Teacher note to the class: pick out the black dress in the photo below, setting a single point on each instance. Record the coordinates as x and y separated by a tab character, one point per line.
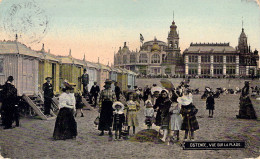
210	103
65	125
79	103
107	97
190	122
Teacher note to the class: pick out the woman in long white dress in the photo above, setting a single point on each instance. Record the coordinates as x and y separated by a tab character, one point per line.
65	125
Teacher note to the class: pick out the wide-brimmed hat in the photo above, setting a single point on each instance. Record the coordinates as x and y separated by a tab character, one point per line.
184	100
48	78
68	85
118	103
108	81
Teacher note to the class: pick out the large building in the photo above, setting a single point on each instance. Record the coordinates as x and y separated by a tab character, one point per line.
154	58
200	59
221	59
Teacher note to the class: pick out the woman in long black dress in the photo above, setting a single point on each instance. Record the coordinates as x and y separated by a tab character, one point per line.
107	97
65	125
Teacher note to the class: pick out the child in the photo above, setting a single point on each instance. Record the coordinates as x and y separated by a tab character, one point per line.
132	108
210	102
79	103
118	118
149	114
188	112
176	120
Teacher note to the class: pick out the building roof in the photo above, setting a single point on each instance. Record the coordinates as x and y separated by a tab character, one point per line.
14	47
210	47
70	60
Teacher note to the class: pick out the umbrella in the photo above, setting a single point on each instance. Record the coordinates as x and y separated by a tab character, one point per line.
154	89
167	84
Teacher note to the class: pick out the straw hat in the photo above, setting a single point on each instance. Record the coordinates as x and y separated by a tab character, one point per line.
118	103
184	100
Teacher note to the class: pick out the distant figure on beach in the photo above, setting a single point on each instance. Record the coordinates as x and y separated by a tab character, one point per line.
85	82
210	104
79	103
48	95
94	91
246	109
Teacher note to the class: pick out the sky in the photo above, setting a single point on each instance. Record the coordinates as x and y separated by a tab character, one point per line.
97	28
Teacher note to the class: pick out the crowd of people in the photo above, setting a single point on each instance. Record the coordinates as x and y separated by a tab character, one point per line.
172	109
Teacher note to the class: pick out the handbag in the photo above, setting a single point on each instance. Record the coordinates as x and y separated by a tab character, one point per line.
96	121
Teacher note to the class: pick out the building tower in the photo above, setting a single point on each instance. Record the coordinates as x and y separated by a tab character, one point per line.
242	43
173	50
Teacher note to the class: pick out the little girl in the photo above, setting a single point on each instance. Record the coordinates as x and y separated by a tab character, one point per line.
132	107
118	118
149	114
176	120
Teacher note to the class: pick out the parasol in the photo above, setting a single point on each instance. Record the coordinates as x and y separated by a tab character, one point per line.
167	84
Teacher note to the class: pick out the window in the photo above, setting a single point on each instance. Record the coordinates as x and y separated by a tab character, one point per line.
193	69
125	59
230	59
143	58
218	58
168	71
1	66
205	58
193	58
132	58
230	69
205	69
155	58
118	60
218	69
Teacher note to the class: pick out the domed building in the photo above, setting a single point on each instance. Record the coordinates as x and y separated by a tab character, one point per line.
154	58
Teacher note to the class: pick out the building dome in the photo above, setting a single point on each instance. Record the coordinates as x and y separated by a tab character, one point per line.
155	47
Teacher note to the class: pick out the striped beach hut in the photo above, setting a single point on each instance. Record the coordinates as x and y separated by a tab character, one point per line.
122	79
92	70
103	74
49	66
71	69
21	62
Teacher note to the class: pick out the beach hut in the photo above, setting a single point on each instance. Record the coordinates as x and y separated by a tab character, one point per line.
21	62
49	66
103	74
92	70
71	69
113	76
131	78
122	79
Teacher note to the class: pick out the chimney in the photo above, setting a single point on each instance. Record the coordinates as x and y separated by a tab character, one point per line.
124	44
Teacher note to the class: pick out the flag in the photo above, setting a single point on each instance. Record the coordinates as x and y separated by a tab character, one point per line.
141	38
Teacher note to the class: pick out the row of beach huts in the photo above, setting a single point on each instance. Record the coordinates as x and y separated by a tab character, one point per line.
30	68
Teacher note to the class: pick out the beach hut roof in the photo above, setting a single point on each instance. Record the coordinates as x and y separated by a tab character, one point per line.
14	47
70	60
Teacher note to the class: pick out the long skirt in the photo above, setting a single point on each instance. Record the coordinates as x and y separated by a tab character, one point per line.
246	110
106	116
65	125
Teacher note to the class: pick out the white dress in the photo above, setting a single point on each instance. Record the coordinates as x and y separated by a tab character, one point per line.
176	119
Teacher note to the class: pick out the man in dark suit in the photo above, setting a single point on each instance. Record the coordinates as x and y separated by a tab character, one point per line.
117	91
94	92
10	102
85	82
48	95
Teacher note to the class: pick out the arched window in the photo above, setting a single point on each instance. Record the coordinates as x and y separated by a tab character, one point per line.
125	59
119	60
155	58
132	58
143	58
